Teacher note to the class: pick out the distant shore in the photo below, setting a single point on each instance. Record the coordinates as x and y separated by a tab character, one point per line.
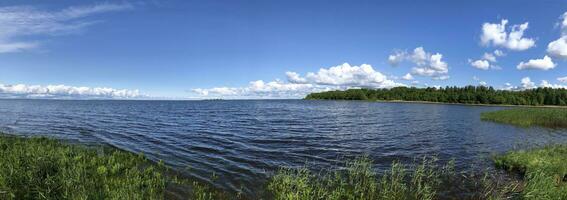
466	104
444	103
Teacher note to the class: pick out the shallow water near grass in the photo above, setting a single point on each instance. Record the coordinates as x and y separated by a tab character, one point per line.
243	142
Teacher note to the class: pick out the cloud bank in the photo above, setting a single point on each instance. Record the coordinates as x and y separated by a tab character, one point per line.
333	78
64	92
21	21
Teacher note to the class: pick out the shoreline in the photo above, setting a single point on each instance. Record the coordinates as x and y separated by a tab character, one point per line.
444	103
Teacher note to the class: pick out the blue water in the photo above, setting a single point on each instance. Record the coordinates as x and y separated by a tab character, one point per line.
242	142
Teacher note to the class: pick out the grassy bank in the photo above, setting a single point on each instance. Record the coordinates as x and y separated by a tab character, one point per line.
544	171
547	117
41	168
358	180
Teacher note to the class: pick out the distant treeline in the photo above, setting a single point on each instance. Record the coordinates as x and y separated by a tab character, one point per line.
466	95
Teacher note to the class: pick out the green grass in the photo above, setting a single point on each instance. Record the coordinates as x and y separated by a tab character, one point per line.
41	168
359	181
525	117
544	170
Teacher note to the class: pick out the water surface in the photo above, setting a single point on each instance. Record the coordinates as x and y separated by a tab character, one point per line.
242	142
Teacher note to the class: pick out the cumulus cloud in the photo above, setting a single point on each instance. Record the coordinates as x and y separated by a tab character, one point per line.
426	64
487	61
294	77
562	79
352	76
19	21
490	57
333	78
64	91
480	64
498	35
482	83
545	83
527	83
542	64
407	77
397	58
261	89
558	48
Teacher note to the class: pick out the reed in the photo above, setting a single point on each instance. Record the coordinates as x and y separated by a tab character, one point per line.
42	168
359	181
544	170
525	117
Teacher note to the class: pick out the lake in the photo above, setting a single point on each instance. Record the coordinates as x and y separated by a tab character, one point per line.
244	141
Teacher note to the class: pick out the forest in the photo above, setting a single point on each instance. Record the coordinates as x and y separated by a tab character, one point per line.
464	95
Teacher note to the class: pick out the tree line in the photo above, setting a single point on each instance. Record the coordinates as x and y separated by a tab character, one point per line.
465	95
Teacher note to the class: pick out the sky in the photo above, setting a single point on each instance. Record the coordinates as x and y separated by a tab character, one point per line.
275	49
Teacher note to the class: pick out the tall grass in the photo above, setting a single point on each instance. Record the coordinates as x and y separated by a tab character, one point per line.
547	117
359	181
41	168
544	170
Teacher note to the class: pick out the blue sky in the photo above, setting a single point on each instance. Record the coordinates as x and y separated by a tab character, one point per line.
208	49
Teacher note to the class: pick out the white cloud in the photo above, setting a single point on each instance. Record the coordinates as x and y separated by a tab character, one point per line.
499	53
497	35
562	79
508	86
490	57
427	64
352	76
482	83
338	77
261	89
64	91
558	48
408	76
487	61
19	21
397	58
294	77
542	64
527	83
480	64
545	83
441	78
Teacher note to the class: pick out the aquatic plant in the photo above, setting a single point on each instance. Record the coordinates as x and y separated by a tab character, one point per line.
360	181
41	168
544	170
547	117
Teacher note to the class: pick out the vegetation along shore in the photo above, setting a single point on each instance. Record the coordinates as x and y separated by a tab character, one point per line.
462	95
42	168
546	117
